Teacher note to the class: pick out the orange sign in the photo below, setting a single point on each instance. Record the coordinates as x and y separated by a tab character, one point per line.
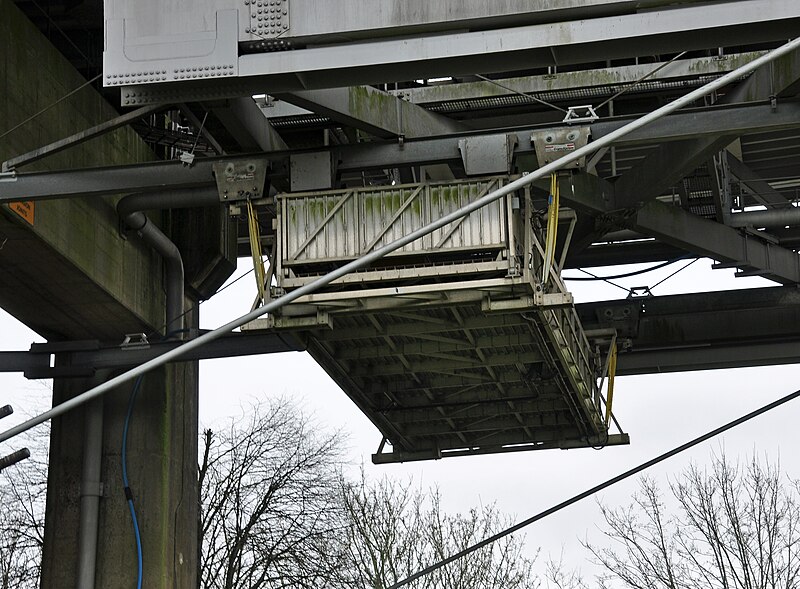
24	209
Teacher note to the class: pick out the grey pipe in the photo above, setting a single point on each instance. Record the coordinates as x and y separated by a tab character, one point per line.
130	211
377	254
91	492
770	218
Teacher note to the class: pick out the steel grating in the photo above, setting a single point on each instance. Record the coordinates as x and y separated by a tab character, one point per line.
453	380
445	359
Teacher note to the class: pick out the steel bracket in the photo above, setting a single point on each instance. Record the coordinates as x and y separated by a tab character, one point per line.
241	180
488	154
553	144
580	114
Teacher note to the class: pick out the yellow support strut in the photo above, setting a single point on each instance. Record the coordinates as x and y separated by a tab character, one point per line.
552	228
255	250
612	370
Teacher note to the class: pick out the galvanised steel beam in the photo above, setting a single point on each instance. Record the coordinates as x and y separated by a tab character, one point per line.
674	226
710	358
722	120
374	111
757	186
591	442
752	255
433	347
85	358
781	80
663	168
710	330
248	125
78	138
732	120
337	19
582	82
684	27
457	363
723	329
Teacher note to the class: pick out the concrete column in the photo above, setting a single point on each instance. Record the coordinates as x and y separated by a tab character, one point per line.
162	471
68	274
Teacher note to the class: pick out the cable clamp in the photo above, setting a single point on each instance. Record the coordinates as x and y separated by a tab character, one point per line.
639	292
135	341
92	489
580	114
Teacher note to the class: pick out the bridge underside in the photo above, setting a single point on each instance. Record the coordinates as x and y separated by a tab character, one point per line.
451	380
454	91
447	372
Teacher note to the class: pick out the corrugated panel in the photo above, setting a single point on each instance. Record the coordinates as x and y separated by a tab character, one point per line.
344	224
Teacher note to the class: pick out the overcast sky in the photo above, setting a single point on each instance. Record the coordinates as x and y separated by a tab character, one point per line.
658	411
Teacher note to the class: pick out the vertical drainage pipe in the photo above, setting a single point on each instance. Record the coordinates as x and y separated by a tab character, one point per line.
91	492
130	210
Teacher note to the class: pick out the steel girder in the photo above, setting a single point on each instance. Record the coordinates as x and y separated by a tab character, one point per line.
663	168
710	122
248	125
581	84
674	226
374	111
379	60
710	330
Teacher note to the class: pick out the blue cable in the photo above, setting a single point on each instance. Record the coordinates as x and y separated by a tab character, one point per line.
127	489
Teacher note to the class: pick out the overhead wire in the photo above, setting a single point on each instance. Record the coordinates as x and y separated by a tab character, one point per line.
673	274
45	109
596	489
625	275
608	279
635	83
595	277
517	92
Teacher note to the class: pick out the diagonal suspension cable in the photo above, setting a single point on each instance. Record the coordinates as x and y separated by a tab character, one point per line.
681	269
48	107
518	93
597	488
635	83
379	253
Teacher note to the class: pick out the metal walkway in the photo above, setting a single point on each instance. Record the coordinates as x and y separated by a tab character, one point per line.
450	347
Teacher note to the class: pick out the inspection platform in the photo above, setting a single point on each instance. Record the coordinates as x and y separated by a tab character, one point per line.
455	344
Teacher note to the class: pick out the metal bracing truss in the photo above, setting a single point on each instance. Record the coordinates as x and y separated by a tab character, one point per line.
478	361
450	380
445	358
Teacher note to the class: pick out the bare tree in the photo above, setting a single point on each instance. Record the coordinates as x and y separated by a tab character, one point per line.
734	527
22	501
393	531
269	502
559	576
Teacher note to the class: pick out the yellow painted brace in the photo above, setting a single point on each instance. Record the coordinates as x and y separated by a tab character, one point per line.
552	228
255	249
612	370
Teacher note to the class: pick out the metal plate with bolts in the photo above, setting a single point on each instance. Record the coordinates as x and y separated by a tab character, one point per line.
241	179
553	144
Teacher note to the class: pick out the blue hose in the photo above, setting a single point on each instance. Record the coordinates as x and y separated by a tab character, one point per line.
127	489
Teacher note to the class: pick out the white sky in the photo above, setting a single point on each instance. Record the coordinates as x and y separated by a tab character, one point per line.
659	412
